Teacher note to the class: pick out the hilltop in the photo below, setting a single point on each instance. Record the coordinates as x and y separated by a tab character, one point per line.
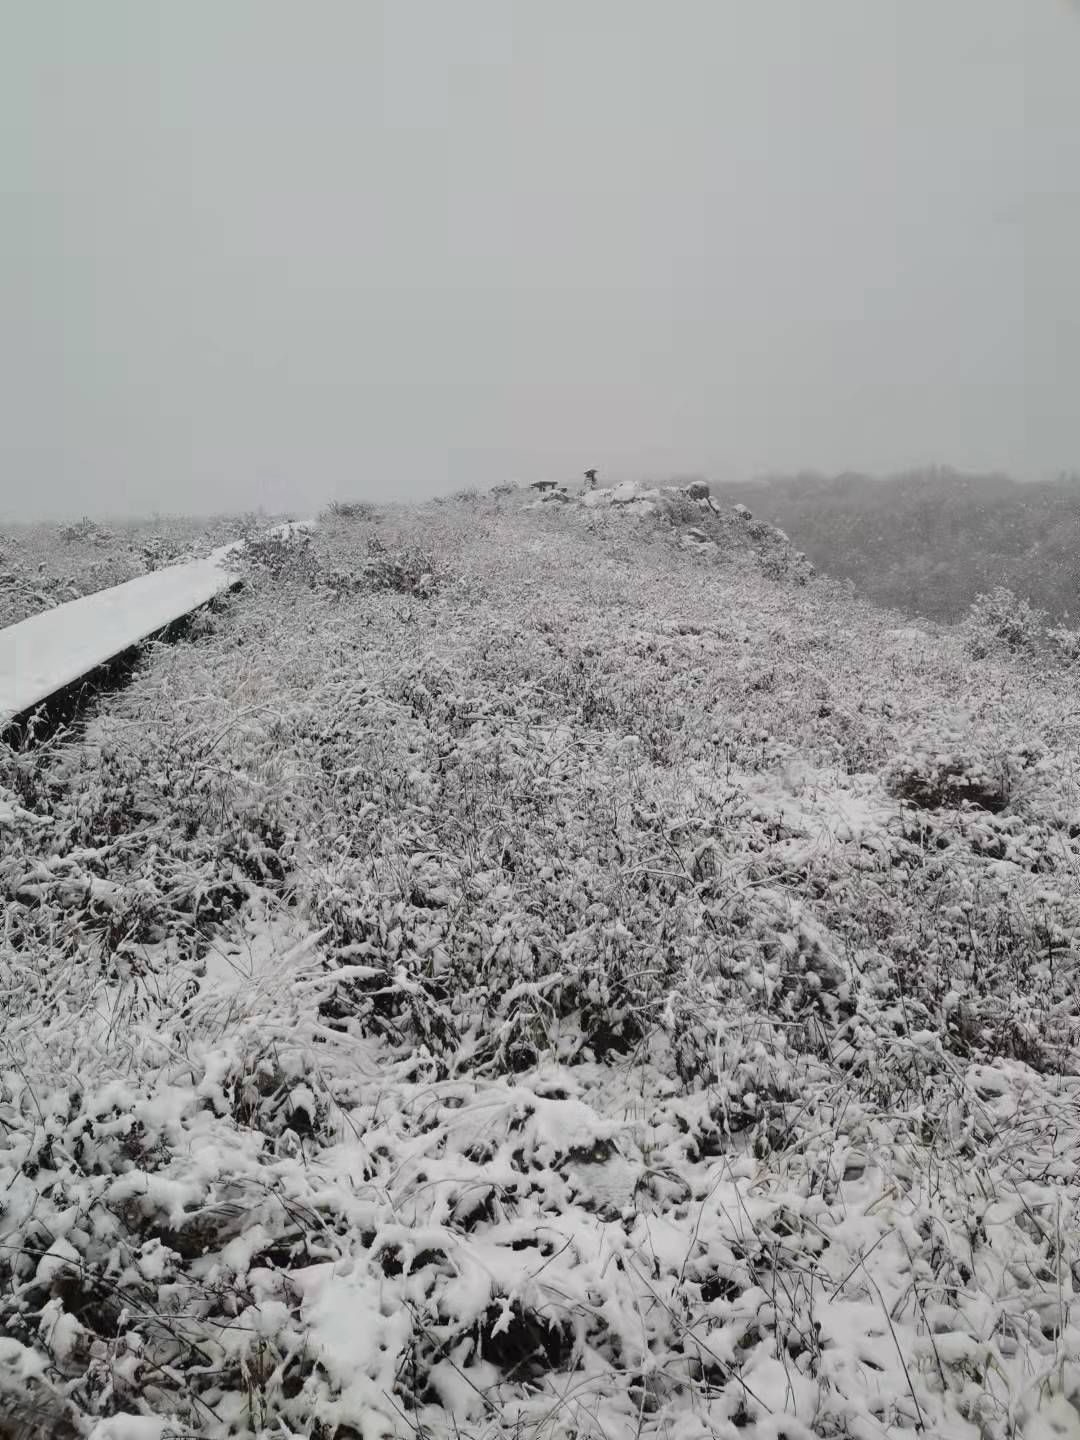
536	970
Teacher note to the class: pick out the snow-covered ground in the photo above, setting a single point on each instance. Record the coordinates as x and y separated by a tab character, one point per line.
601	991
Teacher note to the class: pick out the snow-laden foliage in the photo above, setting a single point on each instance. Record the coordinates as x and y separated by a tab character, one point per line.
1000	618
569	999
1002	621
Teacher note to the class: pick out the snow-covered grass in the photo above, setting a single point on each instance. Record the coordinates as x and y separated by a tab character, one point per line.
513	974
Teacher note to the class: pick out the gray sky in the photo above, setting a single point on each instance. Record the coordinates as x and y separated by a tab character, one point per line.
266	251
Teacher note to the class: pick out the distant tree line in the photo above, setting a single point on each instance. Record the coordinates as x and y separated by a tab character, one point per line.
929	541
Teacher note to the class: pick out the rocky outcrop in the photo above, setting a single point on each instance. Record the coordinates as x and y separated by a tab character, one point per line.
704	528
629	497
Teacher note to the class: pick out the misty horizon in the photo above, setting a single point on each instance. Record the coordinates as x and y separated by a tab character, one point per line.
267	257
317	505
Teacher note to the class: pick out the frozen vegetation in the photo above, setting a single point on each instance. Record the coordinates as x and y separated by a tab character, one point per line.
543	972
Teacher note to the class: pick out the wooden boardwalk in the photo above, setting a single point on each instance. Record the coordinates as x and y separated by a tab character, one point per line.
48	653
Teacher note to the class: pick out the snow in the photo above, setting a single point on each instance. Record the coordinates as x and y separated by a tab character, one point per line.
641	499
51	650
132	1427
822	805
502	1012
289	530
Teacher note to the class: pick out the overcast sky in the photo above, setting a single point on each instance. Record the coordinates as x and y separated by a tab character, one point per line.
276	252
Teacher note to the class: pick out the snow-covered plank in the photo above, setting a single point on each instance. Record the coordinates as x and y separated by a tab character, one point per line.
43	655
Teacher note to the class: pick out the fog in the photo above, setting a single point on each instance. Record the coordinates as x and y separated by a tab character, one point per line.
265	253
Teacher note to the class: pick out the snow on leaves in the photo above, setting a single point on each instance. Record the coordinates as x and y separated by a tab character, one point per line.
487	1008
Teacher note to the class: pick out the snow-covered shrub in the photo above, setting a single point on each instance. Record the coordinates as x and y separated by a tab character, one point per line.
408	569
84	529
281	556
681	509
160	551
351	510
1064	642
934	778
1001	619
774	565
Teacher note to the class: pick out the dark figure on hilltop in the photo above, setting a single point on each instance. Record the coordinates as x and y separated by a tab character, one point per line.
590	476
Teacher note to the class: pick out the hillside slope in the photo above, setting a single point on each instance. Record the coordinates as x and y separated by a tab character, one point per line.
930	541
519	973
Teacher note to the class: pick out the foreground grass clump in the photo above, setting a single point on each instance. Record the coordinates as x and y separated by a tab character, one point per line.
535	1002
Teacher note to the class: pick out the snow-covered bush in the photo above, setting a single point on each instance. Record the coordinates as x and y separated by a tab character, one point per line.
681	509
774	565
280	556
1002	619
351	510
1064	642
85	529
936	777
408	569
